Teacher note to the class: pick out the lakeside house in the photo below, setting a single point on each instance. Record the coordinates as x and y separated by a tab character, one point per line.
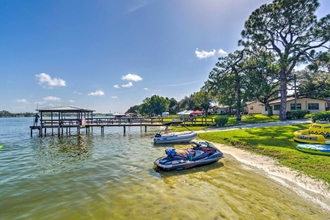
309	104
254	107
219	109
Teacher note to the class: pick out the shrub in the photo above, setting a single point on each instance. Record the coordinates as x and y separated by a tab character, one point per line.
221	120
296	114
321	116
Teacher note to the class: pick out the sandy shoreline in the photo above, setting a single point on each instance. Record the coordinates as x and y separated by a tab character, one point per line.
313	190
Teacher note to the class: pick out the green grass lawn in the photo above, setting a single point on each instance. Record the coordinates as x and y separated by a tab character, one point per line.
276	142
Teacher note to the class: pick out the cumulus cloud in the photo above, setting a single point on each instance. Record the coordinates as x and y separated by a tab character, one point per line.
21	101
114	97
116	86
222	53
96	93
127	85
205	54
132	77
146	89
71	101
52	98
45	79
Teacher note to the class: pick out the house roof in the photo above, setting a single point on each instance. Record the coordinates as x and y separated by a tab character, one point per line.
65	109
251	102
291	99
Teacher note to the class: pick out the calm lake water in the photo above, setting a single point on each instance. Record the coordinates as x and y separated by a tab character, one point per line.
112	176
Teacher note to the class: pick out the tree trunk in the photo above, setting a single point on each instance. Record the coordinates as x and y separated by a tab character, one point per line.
269	109
238	93
283	96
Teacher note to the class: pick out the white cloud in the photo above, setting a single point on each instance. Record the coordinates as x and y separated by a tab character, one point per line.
204	54
44	78
222	53
114	97
22	101
132	77
127	85
71	101
77	93
52	98
146	89
97	93
116	86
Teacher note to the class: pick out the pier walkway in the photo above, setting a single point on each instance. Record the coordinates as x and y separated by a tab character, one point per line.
63	119
65	126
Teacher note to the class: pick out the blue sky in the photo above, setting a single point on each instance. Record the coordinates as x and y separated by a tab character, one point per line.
109	55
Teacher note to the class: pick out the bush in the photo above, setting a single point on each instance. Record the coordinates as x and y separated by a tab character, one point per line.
296	114
221	120
321	116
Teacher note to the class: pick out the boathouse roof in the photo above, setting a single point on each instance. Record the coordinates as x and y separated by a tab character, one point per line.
65	109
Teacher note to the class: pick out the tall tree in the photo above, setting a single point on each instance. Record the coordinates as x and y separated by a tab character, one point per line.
187	103
289	29
173	107
203	99
261	83
313	84
154	105
133	109
226	80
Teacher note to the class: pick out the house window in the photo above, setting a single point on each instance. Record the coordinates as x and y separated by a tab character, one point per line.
251	108
293	108
277	107
313	106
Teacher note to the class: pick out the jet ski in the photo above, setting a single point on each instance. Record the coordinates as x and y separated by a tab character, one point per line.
201	153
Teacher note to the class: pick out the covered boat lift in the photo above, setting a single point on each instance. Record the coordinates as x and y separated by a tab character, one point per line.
62	117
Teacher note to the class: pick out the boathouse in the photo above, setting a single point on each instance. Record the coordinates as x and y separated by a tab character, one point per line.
62	118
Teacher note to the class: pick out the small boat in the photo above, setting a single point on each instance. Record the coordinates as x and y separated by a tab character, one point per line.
314	148
169	138
201	153
318	133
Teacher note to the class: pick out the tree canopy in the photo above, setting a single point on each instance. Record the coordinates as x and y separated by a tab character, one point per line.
290	30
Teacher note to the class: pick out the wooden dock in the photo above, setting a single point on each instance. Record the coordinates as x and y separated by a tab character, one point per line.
65	126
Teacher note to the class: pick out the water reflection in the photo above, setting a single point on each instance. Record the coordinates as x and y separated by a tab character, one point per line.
62	153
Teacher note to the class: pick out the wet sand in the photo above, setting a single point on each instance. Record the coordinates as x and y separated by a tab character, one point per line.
310	189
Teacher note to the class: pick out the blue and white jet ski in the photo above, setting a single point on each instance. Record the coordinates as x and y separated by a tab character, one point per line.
201	153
